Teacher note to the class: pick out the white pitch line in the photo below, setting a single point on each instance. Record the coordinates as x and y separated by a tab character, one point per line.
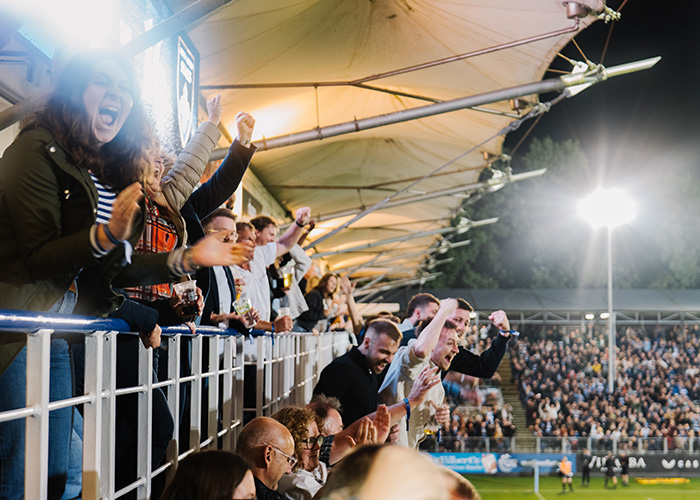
539	495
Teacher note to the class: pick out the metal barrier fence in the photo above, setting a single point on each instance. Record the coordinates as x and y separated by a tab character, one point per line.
470	444
637	445
286	367
629	445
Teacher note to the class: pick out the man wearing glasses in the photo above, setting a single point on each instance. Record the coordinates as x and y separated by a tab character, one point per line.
269	447
222	290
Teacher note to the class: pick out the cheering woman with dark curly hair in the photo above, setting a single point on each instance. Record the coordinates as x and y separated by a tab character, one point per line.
70	211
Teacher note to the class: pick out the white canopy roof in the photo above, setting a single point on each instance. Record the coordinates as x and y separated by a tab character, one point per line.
281	42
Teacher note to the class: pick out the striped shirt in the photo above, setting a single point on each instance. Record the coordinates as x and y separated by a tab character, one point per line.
106	199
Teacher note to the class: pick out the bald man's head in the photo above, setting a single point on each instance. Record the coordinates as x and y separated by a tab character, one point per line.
267	444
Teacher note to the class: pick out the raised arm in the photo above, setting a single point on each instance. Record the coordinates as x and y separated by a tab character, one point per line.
228	176
428	338
348	289
291	235
180	181
302	262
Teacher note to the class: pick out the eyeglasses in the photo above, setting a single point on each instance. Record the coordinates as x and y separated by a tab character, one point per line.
311	441
229	236
290	460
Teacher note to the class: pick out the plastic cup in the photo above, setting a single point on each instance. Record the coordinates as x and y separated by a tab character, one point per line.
187	291
285	311
243	309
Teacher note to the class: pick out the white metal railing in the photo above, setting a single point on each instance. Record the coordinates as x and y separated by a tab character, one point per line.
633	444
286	369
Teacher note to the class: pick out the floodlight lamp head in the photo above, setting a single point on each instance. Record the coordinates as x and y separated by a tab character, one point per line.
576	10
607	208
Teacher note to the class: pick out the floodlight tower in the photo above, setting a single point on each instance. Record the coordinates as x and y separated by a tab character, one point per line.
609	208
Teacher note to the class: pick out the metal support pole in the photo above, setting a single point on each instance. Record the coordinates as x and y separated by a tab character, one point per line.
611	320
541	87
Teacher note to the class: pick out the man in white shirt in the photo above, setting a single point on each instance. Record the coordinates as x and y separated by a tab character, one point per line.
254	273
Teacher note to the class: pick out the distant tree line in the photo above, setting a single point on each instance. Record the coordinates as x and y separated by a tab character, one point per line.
540	242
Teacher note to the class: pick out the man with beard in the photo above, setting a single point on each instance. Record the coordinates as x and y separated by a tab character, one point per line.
352	377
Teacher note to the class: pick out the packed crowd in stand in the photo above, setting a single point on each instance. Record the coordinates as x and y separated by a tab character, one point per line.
96	218
563	386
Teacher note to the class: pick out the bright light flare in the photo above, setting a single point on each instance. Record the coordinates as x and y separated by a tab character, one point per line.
607	207
79	23
272	120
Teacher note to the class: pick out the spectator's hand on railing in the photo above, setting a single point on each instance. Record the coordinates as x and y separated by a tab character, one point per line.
151	340
283	324
214	109
442	413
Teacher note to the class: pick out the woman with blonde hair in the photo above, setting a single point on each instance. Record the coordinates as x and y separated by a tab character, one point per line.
309	473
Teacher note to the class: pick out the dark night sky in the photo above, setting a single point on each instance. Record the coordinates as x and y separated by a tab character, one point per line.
629	122
639	131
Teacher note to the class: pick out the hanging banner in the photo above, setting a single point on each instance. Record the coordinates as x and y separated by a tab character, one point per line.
501	463
671	464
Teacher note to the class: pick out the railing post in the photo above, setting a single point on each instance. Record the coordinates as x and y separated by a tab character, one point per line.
538	441
196	392
238	387
260	379
174	346
227	398
213	399
36	469
145	415
109	406
92	417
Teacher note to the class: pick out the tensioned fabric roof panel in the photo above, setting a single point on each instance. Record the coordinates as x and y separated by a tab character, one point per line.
289	41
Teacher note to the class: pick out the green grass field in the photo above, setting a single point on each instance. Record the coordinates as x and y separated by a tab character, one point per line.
522	488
